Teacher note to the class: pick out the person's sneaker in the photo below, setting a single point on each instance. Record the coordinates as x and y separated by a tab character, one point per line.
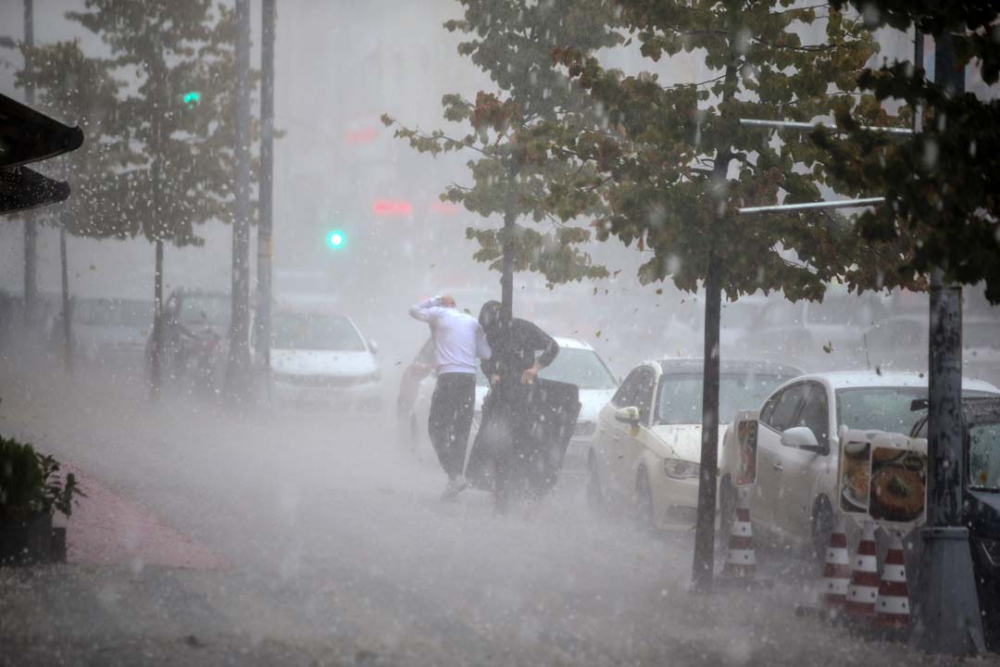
454	487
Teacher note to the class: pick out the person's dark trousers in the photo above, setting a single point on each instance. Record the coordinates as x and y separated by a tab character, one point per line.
451	419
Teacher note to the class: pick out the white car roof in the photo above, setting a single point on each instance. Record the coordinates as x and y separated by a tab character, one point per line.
847	379
572	343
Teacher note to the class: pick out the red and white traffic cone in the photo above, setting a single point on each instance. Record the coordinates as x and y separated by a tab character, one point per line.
741	562
836	569
893	607
863	591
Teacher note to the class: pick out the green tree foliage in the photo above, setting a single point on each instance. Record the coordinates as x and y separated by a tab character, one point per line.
511	131
941	186
181	173
80	90
682	164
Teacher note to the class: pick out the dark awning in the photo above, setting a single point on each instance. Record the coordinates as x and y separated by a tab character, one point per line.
29	136
22	189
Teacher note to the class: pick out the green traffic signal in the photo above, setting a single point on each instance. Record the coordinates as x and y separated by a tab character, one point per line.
335	240
192	97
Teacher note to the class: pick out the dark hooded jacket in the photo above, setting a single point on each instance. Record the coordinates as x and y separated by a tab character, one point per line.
514	346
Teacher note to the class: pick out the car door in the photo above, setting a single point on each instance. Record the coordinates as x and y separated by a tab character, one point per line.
778	413
631	443
608	439
802	469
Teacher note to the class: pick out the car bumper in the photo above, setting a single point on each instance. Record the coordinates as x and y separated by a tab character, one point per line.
357	398
674	499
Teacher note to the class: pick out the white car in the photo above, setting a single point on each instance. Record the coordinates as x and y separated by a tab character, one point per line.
577	363
322	358
796	442
647	452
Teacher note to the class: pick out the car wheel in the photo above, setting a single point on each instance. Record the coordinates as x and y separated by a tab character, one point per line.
595	497
822	525
643	500
727	507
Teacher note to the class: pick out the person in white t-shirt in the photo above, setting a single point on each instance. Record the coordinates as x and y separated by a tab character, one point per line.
459	342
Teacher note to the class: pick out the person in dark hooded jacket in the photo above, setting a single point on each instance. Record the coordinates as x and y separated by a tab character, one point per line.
520	349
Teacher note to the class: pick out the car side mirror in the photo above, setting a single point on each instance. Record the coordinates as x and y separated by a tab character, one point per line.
629	415
802	437
373	346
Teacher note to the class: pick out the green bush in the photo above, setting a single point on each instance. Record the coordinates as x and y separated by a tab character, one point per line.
30	482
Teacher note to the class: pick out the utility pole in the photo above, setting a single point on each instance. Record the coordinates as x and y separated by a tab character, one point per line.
30	224
509	227
265	244
238	370
949	619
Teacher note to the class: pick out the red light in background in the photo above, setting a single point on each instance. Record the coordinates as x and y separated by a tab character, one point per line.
365	135
445	208
391	207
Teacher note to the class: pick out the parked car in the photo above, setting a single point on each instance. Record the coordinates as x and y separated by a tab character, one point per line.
647	451
828	334
981	506
195	339
796	440
577	363
321	358
106	330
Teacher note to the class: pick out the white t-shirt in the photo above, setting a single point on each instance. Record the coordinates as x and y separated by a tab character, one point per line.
458	339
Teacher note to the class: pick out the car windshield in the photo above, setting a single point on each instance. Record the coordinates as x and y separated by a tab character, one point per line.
681	395
93	312
205	309
984	456
300	331
580	367
884	408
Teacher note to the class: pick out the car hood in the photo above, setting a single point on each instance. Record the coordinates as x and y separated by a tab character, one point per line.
591	402
683	441
337	363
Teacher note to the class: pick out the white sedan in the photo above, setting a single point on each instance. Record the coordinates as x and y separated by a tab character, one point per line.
577	363
647	452
321	358
796	441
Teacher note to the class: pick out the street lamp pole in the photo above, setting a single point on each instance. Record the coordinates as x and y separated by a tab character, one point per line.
265	244
948	613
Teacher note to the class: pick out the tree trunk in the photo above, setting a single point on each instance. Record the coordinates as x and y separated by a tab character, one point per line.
507	277
265	245
30	224
238	370
704	546
67	306
156	358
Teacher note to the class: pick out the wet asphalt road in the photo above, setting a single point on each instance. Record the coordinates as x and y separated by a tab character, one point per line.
336	550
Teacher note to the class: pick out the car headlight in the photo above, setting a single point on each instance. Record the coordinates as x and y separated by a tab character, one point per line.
681	469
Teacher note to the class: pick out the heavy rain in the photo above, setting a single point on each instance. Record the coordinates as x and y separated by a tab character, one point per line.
535	332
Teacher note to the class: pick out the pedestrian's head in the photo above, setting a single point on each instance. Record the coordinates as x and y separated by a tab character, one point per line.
489	316
448	301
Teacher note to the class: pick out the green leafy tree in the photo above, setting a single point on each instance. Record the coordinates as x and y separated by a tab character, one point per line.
182	175
681	164
71	86
942	193
507	131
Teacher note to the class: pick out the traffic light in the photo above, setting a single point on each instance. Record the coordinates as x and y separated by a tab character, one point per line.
335	239
191	98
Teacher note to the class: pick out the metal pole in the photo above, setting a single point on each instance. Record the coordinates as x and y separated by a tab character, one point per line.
949	619
237	375
30	224
67	305
808	206
509	226
265	244
794	125
704	545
